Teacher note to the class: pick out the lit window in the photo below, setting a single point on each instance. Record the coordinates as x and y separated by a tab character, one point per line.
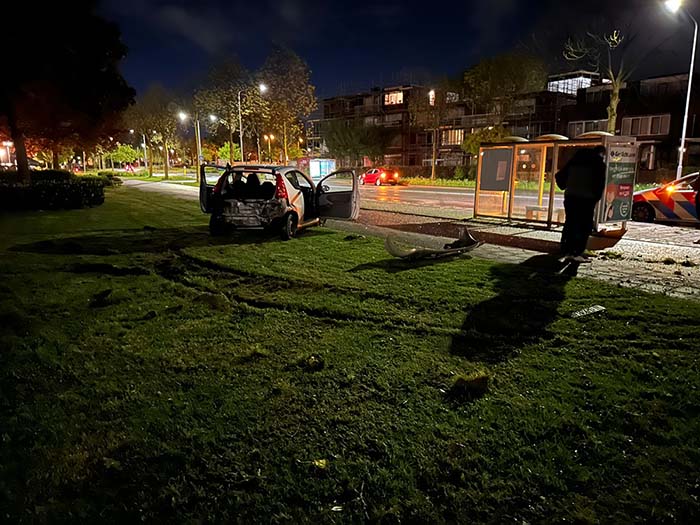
453	137
393	98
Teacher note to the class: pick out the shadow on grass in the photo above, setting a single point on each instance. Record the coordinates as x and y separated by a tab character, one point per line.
401	265
529	295
150	240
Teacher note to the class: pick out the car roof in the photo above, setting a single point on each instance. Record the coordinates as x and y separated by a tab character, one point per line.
259	167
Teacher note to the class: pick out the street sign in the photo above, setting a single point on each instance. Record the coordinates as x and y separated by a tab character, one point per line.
621	170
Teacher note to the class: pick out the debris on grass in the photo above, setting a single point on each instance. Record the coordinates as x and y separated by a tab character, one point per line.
469	388
611	256
689	264
321	464
669	260
313	363
354	237
148	228
588	311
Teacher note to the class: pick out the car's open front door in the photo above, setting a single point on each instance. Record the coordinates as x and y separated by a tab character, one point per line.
338	196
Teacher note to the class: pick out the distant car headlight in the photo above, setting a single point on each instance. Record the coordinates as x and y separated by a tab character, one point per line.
383	175
396	174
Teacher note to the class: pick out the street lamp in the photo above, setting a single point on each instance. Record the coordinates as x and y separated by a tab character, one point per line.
143	136
262	88
197	136
675	6
269	138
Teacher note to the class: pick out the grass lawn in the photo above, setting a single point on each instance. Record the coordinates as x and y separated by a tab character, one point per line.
151	373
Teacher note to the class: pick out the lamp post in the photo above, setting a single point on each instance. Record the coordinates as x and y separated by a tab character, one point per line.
269	138
262	88
674	6
143	136
197	138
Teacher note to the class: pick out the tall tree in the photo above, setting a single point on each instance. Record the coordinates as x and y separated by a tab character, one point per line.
493	85
220	97
428	109
353	140
69	89
291	93
155	116
604	53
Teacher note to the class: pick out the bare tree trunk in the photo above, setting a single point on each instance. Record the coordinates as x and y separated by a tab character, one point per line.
435	139
18	140
230	146
150	164
55	162
612	107
166	165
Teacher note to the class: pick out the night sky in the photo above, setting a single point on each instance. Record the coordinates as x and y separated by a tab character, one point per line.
352	45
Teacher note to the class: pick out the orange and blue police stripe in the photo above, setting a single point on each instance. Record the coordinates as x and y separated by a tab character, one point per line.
676	206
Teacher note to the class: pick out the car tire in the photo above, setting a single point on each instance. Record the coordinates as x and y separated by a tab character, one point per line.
378	182
289	227
643	212
217	226
362	181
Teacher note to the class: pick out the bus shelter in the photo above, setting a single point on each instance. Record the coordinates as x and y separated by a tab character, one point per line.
515	180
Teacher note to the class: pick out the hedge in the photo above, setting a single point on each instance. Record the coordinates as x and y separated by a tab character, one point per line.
50	190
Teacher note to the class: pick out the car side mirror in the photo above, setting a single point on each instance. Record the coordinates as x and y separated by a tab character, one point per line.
325	188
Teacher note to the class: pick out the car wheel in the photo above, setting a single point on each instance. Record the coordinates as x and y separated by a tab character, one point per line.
217	226
378	182
643	212
362	181
289	229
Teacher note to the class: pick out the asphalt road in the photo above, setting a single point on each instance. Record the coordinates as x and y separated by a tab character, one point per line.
435	197
407	196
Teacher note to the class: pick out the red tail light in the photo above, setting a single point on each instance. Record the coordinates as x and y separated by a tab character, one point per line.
281	189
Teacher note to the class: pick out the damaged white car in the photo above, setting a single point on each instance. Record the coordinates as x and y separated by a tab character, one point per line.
275	197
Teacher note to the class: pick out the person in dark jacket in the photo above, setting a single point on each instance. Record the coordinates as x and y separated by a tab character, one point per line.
583	182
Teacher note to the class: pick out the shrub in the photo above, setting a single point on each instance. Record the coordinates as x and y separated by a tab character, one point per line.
50	190
111	178
460	173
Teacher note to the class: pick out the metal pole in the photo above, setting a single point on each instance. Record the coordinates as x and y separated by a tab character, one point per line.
681	151
240	123
198	140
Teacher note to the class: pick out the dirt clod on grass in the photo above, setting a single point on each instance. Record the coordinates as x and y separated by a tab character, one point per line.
214	301
101	299
469	388
313	363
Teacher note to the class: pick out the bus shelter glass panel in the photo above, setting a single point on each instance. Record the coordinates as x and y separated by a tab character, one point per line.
530	195
494	182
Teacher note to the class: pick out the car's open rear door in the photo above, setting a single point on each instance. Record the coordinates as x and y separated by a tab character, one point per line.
205	190
338	196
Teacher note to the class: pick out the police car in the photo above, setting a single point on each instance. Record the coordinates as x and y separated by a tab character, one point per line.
671	202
